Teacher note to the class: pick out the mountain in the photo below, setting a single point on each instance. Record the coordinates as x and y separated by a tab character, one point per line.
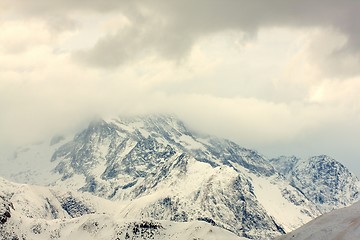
323	180
340	224
33	212
155	167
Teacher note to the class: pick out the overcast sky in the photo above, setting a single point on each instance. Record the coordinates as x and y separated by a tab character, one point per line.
278	76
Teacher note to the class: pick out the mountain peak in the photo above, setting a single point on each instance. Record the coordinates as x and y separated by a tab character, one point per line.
322	179
156	167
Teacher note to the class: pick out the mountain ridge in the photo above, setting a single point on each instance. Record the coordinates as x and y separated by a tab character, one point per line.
164	171
41	213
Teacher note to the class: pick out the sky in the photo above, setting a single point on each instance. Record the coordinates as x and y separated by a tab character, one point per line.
278	76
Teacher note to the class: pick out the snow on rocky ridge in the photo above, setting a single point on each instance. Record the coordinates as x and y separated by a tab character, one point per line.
39	213
323	180
157	168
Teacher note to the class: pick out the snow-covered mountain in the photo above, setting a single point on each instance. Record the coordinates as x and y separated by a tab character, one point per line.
323	180
340	224
155	167
40	213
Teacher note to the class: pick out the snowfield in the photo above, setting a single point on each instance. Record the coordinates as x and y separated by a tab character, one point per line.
340	224
40	213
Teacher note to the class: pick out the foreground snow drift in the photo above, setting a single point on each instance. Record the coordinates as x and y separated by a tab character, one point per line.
341	224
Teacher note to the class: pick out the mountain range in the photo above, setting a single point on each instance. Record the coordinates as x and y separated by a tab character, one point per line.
156	170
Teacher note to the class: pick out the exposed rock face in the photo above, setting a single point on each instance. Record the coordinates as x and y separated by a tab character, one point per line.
323	180
5	210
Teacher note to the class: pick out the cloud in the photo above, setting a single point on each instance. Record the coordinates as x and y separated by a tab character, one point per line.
43	91
131	44
275	75
171	28
18	36
43	7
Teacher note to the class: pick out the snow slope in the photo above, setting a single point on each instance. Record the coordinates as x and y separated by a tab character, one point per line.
340	224
23	164
39	213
